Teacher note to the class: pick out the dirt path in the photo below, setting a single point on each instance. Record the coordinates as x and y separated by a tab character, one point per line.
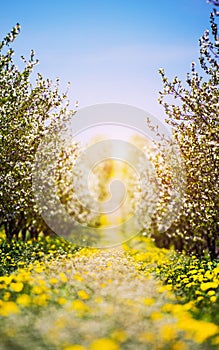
97	300
120	304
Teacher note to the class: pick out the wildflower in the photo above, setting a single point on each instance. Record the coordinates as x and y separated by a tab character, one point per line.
98	300
211	292
62	301
7	296
149	301
74	347
209	285
23	276
63	277
8	308
40	300
208	275
16	287
179	345
216	271
215	341
156	315
168	332
83	295
23	299
197	292
7	279
37	289
79	306
104	343
53	280
78	278
39	269
119	335
198	330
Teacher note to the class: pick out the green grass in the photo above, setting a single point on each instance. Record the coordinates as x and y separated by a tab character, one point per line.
16	254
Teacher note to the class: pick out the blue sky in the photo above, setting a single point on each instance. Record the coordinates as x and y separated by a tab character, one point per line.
111	50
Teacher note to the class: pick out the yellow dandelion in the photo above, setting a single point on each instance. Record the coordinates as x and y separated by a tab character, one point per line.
37	289
168	332
211	292
63	277
179	345
156	315
79	306
196	329
78	278
83	294
41	300
98	300
215	341
41	283
7	296
16	287
209	285
119	335
23	299
74	347
104	344
39	269
53	280
7	279
149	301
209	275
62	301
8	308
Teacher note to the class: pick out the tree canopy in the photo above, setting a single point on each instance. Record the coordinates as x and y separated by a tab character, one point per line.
28	112
194	120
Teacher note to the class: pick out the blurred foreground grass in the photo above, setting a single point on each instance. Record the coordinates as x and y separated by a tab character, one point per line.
54	295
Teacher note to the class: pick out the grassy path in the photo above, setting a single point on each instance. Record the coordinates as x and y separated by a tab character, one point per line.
96	300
